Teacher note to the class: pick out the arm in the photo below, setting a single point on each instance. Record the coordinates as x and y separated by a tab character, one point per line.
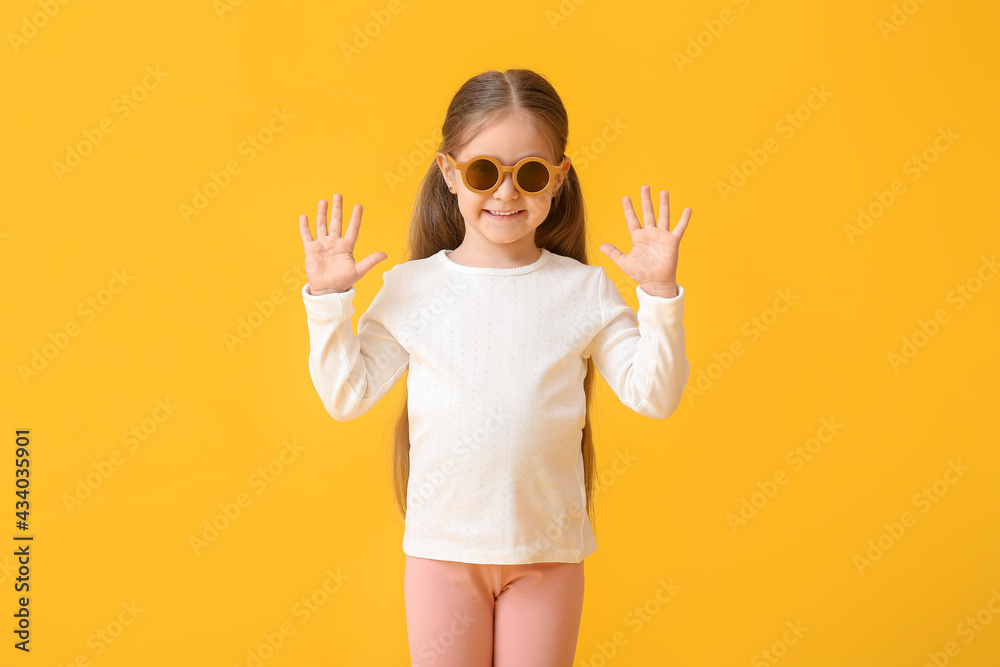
642	357
352	372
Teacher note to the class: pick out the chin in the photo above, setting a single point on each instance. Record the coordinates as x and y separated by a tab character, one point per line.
504	240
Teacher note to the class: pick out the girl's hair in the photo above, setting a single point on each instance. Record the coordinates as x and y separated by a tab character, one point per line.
437	222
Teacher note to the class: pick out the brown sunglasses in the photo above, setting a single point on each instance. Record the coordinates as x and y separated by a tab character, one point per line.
484	173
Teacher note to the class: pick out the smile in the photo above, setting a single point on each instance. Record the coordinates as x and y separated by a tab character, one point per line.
502	216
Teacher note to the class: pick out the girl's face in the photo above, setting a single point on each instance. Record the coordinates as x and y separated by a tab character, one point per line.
509	139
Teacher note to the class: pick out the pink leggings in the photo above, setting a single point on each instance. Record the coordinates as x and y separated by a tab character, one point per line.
472	615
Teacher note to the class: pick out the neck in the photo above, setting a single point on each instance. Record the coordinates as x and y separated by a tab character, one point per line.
506	256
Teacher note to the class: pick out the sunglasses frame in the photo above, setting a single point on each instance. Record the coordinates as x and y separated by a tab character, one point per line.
503	169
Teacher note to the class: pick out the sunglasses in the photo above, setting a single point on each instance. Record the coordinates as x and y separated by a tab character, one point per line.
484	173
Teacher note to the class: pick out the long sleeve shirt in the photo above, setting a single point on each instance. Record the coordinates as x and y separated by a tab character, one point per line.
495	360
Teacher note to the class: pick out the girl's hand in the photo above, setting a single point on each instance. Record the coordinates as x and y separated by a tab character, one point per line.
652	261
330	265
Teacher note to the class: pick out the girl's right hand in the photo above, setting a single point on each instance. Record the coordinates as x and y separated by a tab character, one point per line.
330	265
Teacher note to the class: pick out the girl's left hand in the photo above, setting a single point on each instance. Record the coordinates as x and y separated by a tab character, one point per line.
652	262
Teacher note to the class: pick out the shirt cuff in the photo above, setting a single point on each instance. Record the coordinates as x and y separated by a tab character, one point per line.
329	307
679	291
671	307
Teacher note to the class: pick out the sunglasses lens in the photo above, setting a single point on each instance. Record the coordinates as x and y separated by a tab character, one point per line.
533	176
482	174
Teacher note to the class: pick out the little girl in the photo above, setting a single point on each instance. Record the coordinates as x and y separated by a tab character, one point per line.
500	322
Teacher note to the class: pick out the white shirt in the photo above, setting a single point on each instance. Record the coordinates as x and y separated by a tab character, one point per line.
496	360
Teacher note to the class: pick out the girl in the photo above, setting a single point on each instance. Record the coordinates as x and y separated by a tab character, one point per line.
501	322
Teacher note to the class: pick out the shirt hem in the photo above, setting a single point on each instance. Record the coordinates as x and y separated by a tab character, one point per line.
500	558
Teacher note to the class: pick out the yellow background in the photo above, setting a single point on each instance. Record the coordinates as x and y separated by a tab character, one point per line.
664	517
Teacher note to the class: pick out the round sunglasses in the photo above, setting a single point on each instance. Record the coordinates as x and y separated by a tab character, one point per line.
484	173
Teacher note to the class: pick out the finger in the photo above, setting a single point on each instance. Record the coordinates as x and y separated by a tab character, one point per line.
664	210
365	265
631	221
304	232
321	229
683	222
352	227
647	207
611	251
337	215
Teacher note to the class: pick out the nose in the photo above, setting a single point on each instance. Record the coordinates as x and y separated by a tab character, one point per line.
506	189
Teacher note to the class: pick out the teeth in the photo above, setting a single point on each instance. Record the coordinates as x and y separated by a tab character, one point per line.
499	213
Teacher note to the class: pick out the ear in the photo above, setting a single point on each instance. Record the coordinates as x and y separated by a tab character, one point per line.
562	175
445	168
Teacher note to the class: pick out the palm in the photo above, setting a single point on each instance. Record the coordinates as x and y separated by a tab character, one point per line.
329	258
653	258
330	261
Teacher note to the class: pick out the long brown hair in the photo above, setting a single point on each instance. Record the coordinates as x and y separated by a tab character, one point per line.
437	222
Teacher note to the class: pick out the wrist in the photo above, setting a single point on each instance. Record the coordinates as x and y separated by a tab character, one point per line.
666	290
321	292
